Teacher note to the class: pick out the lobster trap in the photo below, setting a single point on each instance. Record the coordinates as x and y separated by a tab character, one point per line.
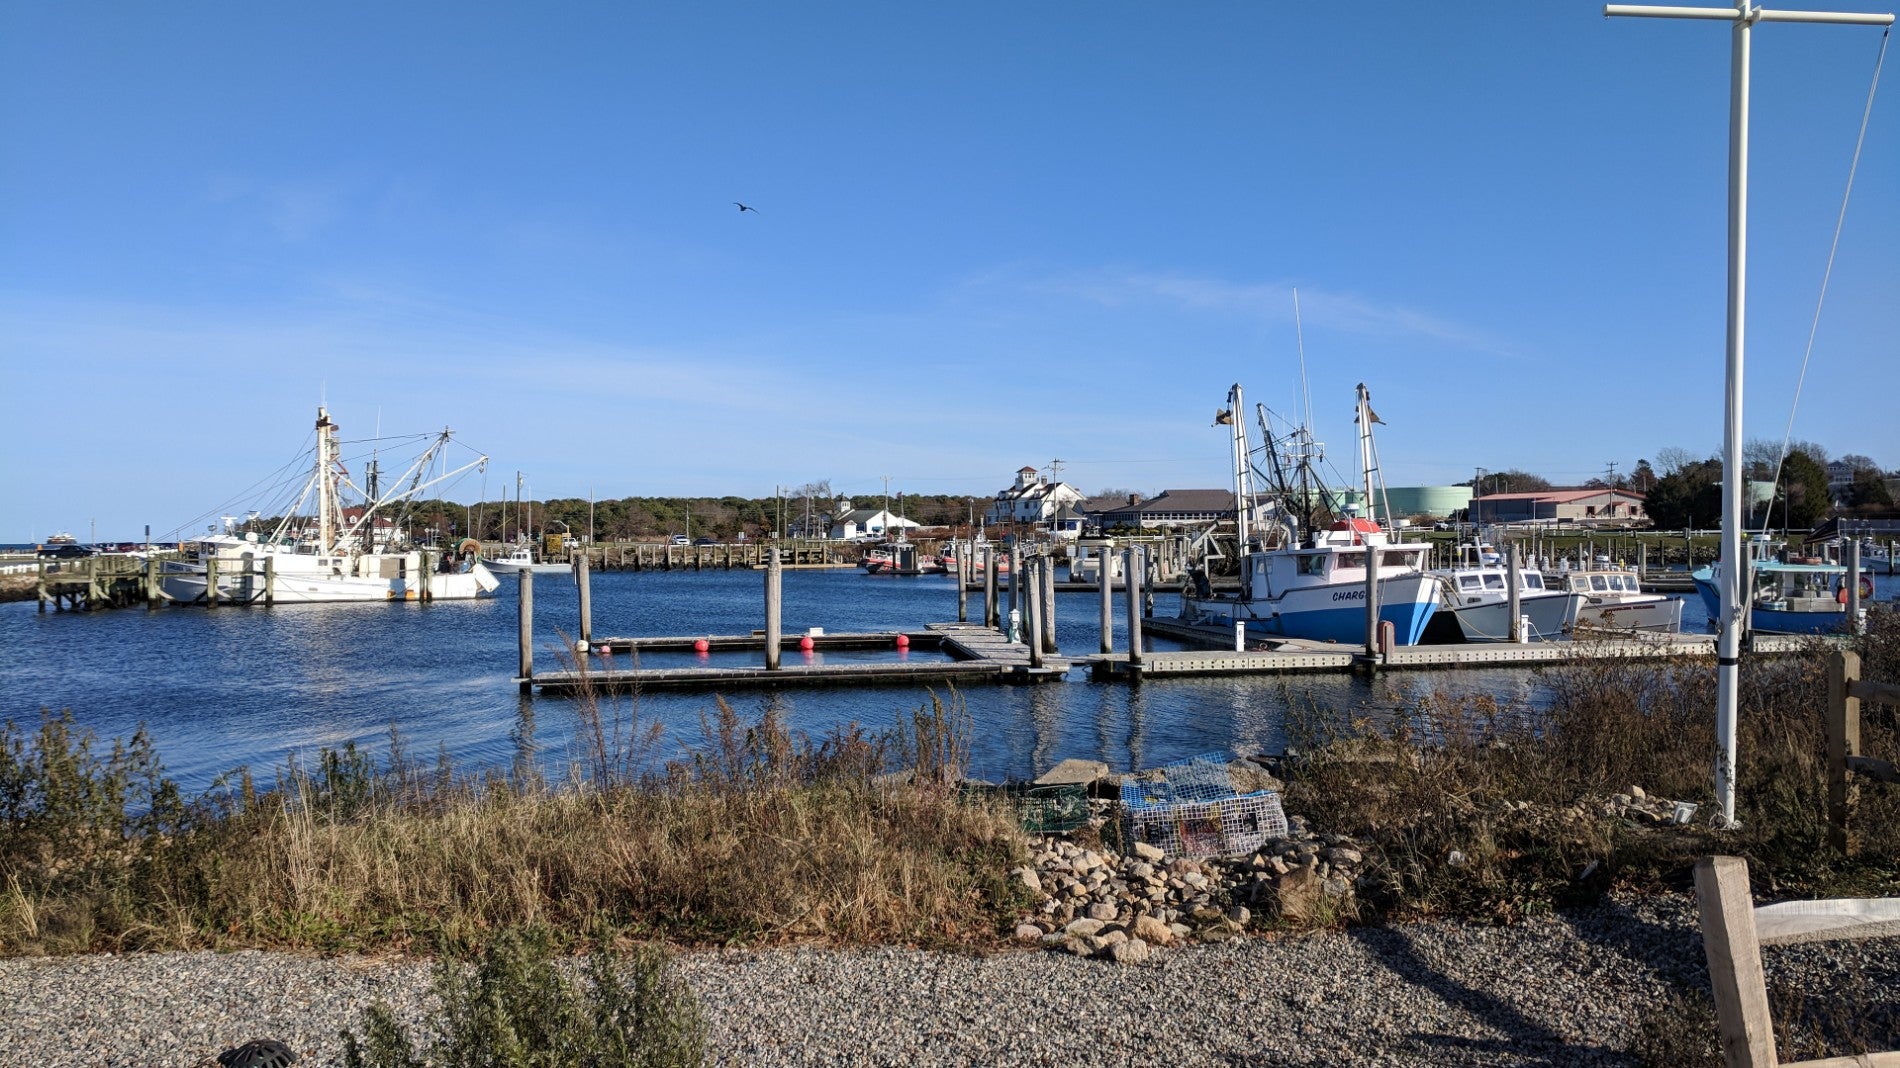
1194	809
1041	809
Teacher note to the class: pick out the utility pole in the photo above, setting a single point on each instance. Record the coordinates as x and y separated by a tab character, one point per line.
1731	566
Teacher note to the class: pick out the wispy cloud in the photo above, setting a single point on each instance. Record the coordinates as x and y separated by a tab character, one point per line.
296	209
1265	301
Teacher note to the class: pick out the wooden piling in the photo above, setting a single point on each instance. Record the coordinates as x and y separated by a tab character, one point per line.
963	581
774	596
1048	613
525	631
1372	599
1107	598
1134	568
587	599
1032	610
211	580
1514	599
990	566
1016	587
1852	586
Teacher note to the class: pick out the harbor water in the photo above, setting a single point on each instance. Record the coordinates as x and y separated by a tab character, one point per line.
236	686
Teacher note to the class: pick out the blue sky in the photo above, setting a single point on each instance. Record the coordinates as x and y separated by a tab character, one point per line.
988	235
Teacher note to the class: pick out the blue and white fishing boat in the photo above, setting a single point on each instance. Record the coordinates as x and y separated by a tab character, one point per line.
1801	595
1301	581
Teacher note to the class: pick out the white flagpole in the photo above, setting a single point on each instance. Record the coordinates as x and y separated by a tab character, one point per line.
1731	622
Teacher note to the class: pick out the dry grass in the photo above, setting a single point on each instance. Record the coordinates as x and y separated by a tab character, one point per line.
759	836
1479	808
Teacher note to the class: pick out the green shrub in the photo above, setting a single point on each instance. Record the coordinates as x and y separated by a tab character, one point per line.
516	1008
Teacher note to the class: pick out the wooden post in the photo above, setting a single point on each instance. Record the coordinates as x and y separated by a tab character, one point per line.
1372	598
1134	566
151	577
989	583
1016	585
1852	587
963	582
525	631
774	594
1843	741
1048	613
587	599
1642	561
1514	599
1108	604
1728	938
425	576
42	586
1032	609
270	579
211	581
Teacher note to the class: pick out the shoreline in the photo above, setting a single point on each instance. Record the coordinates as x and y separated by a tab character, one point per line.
1570	988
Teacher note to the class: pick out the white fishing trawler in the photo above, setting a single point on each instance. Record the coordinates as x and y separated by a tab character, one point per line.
321	557
1300	580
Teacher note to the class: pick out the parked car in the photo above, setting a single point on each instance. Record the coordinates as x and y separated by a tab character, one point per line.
704	541
63	552
679	539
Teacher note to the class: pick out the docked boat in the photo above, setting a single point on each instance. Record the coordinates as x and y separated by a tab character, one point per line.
328	557
899	558
1301	580
1799	596
1479	598
1613	600
61	537
521	558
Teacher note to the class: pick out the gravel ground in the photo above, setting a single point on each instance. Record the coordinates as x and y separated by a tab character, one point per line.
1561	990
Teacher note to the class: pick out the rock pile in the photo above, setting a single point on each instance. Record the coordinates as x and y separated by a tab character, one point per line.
1637	805
1098	903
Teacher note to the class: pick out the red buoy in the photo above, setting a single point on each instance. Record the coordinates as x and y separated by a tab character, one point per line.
903	641
806	643
700	646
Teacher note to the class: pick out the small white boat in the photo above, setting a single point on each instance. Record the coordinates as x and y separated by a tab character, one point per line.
521	558
1614	600
1479	598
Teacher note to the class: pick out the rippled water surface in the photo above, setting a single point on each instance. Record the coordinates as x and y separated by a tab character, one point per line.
247	686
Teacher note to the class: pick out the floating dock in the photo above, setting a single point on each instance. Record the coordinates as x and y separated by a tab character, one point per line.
976	655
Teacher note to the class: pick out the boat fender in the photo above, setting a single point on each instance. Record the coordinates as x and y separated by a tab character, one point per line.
1866	587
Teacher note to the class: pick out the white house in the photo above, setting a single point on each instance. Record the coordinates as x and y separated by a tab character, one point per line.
1031	500
852	523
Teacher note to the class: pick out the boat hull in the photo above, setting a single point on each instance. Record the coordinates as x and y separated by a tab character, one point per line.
1332	612
510	567
1818	616
1550	616
189	583
1662	615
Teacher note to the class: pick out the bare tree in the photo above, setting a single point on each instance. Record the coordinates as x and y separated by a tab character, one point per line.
1673	458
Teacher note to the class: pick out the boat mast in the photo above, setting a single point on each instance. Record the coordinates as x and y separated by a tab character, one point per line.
326	485
1243	468
1364	420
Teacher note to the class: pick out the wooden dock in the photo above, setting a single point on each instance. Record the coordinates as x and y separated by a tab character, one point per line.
976	655
1218	657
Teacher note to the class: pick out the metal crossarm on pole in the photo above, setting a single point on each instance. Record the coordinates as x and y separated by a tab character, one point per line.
1733	568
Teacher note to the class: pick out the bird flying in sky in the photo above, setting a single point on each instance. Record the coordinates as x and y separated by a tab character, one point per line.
743	208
